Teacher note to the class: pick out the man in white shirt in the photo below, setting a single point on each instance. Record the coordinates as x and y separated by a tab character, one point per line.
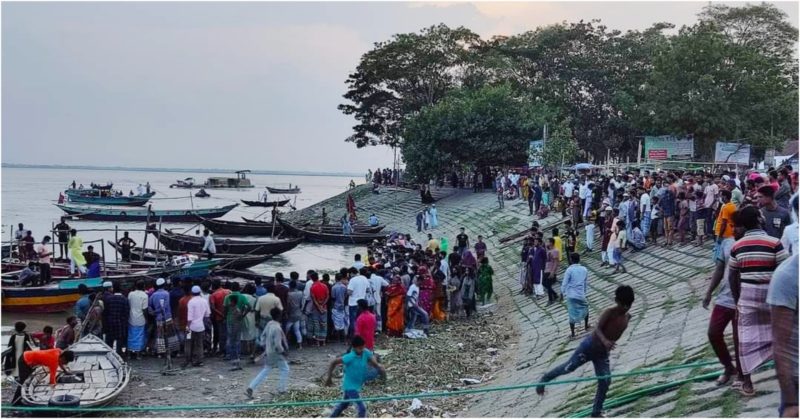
197	310
209	247
711	192
137	301
357	263
266	303
356	290
377	283
569	187
414	310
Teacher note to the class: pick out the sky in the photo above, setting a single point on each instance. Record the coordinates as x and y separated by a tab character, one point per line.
247	85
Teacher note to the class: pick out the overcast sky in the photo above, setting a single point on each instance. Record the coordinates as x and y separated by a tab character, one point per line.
227	85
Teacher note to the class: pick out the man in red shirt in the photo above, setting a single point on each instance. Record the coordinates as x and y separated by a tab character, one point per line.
51	359
365	324
216	301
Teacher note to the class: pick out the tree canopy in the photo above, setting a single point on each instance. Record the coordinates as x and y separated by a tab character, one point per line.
733	75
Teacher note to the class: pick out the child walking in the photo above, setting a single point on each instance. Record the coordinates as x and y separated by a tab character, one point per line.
596	347
485	289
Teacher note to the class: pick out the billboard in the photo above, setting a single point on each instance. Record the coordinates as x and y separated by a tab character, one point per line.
668	147
535	153
732	153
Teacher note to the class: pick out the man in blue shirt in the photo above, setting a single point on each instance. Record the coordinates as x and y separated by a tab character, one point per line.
83	303
573	288
355	364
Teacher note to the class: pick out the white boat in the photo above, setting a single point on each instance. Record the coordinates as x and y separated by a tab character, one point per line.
98	376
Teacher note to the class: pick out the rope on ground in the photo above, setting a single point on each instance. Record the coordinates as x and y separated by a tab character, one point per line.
363	399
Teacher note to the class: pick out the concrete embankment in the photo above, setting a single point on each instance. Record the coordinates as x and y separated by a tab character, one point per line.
668	325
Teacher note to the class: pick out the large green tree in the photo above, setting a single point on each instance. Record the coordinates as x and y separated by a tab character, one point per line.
472	128
398	77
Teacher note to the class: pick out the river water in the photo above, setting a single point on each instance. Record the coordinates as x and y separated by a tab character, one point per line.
28	196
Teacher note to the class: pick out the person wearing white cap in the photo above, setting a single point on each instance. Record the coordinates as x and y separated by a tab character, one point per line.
159	307
198	311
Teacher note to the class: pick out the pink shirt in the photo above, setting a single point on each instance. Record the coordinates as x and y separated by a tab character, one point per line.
42	249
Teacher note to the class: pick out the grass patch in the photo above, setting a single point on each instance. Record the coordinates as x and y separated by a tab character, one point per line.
668	305
678	356
731	405
682	401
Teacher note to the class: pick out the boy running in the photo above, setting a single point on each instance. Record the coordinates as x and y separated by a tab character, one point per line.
356	372
595	347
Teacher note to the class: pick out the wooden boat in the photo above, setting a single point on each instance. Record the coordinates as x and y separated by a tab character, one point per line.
187	183
174	216
95	197
330	228
289	190
100	375
106	187
225	260
237	228
61	295
184	242
239	182
325	237
266	203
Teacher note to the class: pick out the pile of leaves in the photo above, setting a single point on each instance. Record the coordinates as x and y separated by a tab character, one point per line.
459	354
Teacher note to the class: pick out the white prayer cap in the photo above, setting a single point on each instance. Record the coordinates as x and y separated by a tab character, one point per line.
107	284
160	281
195	290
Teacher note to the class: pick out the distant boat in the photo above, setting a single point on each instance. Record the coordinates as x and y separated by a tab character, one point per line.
114	214
202	194
185	183
98	377
238	228
97	197
239	182
288	190
265	203
225	260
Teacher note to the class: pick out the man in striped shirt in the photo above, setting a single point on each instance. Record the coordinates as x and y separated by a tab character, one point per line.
752	262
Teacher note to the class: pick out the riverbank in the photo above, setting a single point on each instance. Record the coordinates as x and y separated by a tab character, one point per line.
526	338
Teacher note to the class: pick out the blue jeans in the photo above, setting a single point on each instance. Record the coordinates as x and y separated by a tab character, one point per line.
414	313
283	366
360	406
587	351
353	314
233	345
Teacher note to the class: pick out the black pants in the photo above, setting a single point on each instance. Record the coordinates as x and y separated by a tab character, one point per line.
193	349
62	247
24	372
210	255
122	341
44	273
547	282
126	254
219	340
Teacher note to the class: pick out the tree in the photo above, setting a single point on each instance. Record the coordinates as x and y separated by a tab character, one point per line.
475	128
398	77
560	148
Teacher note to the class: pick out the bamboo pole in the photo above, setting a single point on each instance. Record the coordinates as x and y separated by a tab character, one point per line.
116	240
147	226
103	254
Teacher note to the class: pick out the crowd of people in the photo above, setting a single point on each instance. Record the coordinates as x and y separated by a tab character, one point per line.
750	221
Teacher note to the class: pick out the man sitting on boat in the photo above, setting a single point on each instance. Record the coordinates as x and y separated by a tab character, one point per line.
52	359
28	275
373	220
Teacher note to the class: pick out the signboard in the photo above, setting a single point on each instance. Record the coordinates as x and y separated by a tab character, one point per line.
732	153
535	153
668	147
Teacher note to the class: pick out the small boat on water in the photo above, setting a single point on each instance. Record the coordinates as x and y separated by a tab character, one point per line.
184	242
187	183
113	214
202	194
61	295
98	377
103	197
289	190
225	260
326	237
239	182
266	203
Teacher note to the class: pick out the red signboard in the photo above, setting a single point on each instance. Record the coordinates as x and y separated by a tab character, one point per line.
657	154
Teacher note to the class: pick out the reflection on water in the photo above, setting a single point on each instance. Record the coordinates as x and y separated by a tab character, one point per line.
29	194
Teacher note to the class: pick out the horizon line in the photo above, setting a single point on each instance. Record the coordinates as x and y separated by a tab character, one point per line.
174	169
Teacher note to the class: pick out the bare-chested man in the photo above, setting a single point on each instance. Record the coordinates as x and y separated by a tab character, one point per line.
595	347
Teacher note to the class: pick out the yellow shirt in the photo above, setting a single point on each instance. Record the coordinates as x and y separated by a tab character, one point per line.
433	244
75	246
725	213
560	247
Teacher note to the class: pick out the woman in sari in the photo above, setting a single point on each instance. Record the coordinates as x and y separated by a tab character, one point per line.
395	313
469	261
454	289
426	290
438	312
249	329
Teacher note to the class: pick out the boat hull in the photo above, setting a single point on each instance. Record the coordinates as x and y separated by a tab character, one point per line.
225	260
265	204
322	237
139	215
283	190
237	247
129	201
233	228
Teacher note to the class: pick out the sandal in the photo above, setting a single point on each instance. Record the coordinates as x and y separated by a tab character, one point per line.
747	393
737	384
723	379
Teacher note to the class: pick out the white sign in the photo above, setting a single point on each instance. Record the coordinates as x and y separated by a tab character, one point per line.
732	153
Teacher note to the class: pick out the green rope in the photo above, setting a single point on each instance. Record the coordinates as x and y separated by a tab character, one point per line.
363	399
